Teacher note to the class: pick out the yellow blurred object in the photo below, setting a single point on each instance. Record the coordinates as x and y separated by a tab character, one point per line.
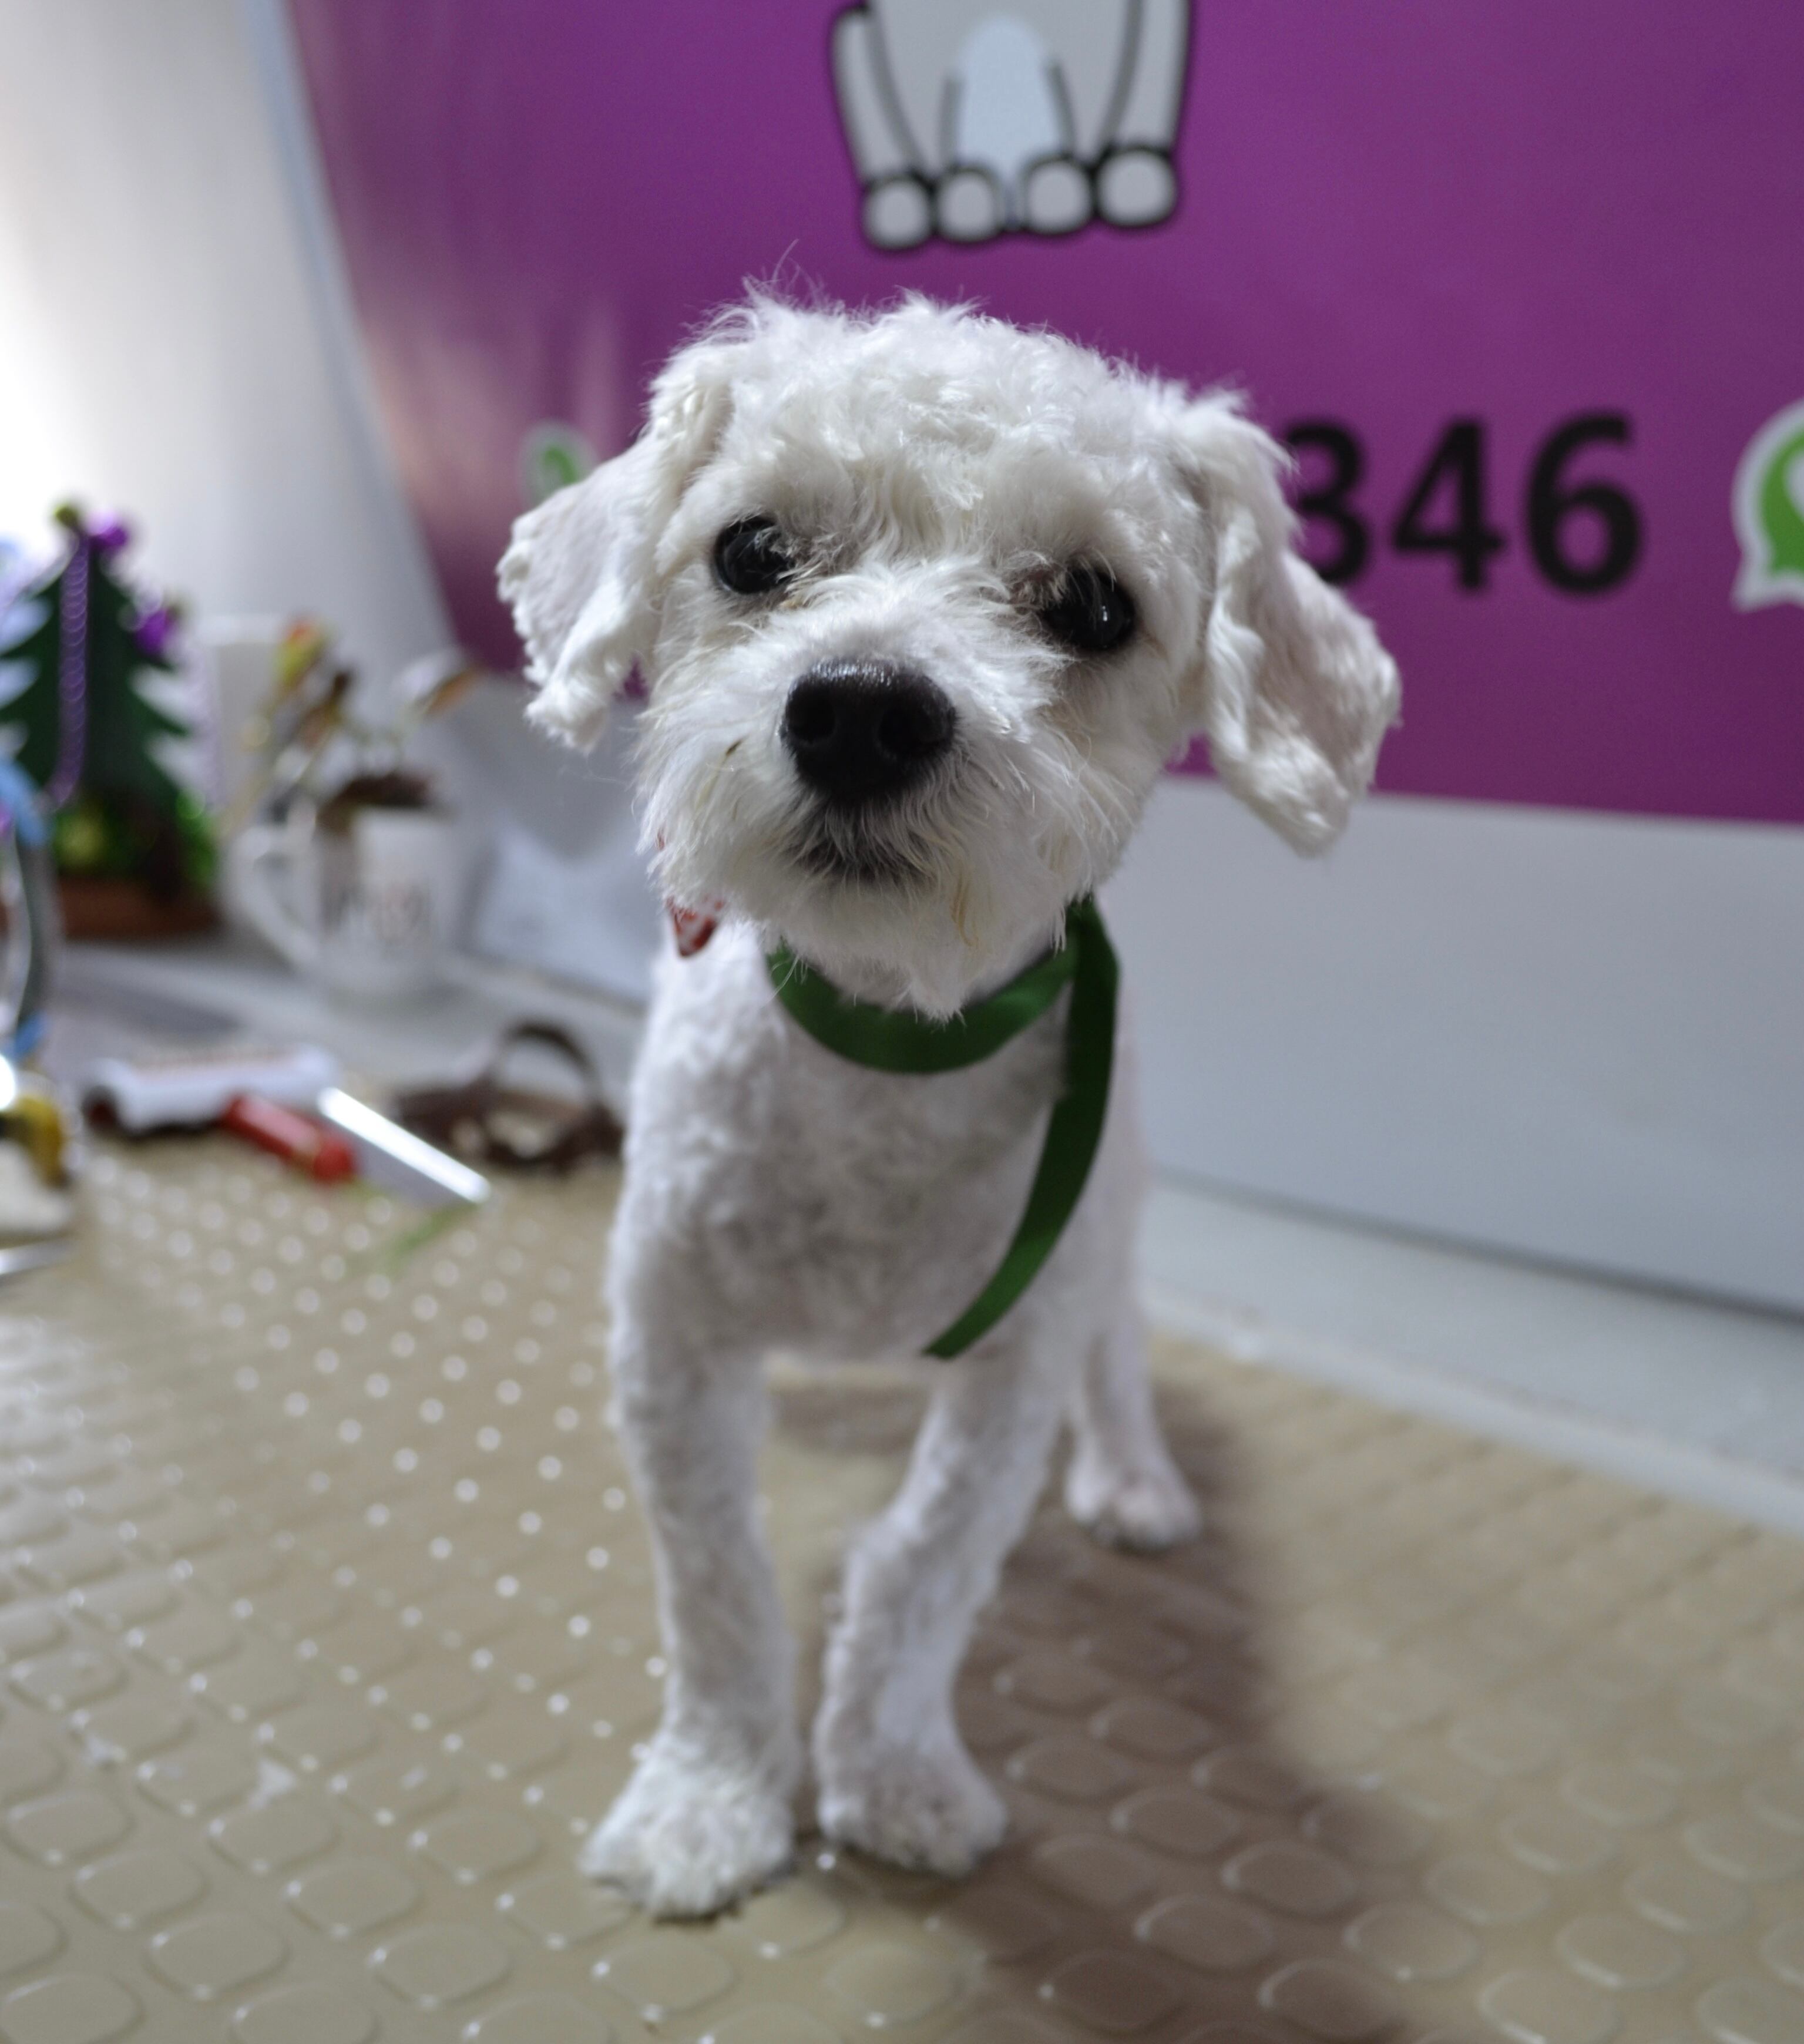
303	646
31	1115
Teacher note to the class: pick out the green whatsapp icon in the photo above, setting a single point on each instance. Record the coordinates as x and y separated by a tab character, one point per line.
552	456
1768	504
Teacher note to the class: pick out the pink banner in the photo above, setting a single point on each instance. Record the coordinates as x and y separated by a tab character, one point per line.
1524	285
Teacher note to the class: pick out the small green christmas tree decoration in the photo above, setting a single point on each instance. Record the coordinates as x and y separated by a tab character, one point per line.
77	648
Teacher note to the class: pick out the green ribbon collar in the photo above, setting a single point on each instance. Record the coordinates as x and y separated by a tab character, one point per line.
888	1039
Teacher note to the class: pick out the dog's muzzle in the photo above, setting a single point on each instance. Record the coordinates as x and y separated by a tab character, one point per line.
862	732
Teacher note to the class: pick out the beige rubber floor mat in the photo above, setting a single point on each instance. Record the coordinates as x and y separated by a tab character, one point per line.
325	1630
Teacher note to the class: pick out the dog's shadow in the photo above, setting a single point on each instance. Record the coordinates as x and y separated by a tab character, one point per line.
1171	1866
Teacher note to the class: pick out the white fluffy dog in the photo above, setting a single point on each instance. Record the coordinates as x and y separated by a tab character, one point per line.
924	604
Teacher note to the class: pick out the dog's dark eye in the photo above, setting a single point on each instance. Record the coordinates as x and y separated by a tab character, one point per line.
751	558
1090	611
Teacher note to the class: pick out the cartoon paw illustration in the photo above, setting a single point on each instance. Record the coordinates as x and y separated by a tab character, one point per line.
970	124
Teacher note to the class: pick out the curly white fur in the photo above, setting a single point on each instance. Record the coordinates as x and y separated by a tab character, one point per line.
933	473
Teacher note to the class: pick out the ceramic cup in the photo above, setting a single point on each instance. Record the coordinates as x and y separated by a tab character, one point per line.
368	911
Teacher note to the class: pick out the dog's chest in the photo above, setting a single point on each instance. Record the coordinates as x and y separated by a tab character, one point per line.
777	1166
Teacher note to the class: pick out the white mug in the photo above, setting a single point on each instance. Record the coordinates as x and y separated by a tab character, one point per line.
368	911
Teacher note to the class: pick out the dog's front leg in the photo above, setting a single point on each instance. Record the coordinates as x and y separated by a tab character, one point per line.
707	1814
895	1780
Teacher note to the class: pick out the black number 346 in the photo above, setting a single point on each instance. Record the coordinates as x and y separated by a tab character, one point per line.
1584	535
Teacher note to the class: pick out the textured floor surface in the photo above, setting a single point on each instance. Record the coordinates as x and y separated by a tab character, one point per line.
325	1631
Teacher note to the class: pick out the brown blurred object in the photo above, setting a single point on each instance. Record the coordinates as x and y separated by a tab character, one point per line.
394	790
481	1118
109	910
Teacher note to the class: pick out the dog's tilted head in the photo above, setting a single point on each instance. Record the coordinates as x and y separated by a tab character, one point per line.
923	604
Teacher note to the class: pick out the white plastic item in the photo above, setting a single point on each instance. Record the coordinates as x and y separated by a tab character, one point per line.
191	1089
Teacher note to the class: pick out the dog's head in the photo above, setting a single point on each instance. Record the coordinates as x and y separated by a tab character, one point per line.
923	604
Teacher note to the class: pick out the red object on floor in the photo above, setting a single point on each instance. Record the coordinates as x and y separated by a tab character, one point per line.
321	1152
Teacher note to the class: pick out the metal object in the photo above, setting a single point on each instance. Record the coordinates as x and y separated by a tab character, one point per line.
29	917
388	1155
24	1256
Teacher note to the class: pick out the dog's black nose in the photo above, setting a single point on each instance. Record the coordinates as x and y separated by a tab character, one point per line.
861	730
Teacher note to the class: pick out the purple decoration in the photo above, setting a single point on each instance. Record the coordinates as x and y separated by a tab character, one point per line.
155	630
71	678
110	536
1514	257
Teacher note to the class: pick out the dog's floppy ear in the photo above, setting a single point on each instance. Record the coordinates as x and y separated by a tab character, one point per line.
579	571
1294	692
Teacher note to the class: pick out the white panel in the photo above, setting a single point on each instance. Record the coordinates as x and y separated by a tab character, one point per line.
1573	1037
1681	1394
171	343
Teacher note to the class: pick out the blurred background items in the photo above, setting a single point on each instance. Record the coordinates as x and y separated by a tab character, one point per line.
321	301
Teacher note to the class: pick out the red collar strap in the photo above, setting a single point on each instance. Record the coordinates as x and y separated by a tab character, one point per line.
692	927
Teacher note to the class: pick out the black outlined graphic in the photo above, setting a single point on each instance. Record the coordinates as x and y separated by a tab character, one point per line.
969	122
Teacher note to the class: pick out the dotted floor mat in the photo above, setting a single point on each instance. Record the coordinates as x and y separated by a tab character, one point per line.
325	1632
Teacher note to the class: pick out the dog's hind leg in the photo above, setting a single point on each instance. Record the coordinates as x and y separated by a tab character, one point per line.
1122	1486
707	1814
895	1780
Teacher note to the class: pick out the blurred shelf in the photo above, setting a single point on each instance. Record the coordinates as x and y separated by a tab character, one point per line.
225	983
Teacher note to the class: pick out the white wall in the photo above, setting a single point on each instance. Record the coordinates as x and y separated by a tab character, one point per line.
166	346
1575	1037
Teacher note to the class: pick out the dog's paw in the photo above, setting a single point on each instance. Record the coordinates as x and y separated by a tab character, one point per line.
1145	1508
926	1808
687	1836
